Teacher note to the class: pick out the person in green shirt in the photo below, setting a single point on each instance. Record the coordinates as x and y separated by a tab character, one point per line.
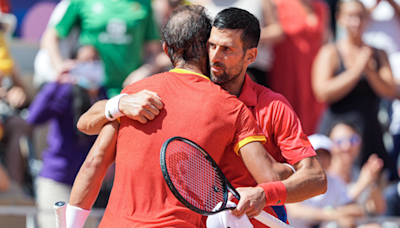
122	31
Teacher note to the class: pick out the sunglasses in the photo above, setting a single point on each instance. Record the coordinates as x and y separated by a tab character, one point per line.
353	140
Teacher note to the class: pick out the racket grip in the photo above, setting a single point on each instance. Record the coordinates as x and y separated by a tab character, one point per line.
271	221
60	210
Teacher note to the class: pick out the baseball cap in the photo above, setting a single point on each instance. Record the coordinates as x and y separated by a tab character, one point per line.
320	141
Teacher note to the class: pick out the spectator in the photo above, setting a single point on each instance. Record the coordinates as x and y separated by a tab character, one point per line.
62	103
271	31
351	77
117	29
362	183
331	206
12	92
305	24
383	32
392	196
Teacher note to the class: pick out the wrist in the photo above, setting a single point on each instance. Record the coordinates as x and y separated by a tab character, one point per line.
112	111
76	216
275	193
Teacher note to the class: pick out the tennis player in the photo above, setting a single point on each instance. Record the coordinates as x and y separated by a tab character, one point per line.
140	197
234	38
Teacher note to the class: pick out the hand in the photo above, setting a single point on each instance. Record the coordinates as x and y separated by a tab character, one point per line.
252	201
346	215
363	57
142	106
16	97
371	169
63	69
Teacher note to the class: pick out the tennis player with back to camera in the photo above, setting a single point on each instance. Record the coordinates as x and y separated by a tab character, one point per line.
300	167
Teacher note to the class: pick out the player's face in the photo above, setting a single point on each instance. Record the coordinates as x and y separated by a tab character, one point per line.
226	56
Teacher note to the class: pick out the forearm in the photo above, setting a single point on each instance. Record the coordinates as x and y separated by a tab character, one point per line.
90	177
383	88
272	34
92	121
50	43
305	212
376	204
337	87
308	181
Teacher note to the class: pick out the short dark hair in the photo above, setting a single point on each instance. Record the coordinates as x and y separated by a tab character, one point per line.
235	18
186	33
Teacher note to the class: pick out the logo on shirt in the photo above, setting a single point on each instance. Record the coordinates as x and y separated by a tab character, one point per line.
115	32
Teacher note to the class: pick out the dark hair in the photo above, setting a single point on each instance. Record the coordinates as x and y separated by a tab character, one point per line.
354	124
234	18
186	33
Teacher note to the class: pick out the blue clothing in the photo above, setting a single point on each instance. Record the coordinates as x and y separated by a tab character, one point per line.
66	150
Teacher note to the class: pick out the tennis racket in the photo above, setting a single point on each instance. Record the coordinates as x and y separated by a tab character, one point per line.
60	209
197	182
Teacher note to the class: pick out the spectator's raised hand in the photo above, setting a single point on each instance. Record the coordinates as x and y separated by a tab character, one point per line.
371	169
142	106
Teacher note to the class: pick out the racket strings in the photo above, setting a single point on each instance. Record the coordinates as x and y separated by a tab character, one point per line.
193	176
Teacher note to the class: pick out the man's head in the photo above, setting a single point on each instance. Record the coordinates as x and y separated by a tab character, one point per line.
232	45
185	36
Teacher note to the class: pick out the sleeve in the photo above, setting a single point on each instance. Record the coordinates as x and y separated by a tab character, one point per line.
152	30
58	13
69	19
53	100
287	131
247	130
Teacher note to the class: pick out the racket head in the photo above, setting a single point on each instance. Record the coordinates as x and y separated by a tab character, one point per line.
193	176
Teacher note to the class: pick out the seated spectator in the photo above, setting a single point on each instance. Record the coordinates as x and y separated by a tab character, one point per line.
362	184
62	102
334	205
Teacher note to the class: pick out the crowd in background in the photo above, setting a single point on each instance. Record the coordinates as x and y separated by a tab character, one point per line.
337	63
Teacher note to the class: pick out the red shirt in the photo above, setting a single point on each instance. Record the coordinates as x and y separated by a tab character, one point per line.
192	109
286	141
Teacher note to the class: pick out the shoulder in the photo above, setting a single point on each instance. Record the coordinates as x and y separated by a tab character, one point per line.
267	97
151	82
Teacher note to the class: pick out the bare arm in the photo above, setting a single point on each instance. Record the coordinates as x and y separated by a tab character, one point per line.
272	32
90	177
308	181
141	106
50	42
326	86
381	80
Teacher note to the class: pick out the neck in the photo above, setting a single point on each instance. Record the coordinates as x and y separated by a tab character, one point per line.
357	41
339	168
192	68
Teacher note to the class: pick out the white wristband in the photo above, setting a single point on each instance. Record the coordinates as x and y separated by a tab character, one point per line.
76	217
112	111
294	171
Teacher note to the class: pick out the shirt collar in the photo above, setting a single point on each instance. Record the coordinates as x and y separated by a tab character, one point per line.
183	71
247	95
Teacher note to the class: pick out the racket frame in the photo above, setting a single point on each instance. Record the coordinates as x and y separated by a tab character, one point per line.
225	183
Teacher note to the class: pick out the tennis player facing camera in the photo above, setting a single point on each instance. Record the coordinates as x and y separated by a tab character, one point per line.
140	196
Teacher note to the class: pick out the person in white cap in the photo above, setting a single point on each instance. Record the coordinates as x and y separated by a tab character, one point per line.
334	205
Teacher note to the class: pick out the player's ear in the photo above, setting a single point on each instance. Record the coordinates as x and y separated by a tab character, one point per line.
251	55
165	48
